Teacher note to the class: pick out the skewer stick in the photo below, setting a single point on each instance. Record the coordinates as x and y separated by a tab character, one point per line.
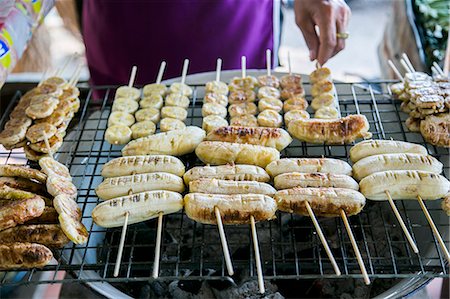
438	68
396	71
44	76
269	62
447	57
434	71
218	69
184	71
434	228
47	145
322	239
121	244
158	245
76	75
402	223
66	63
355	248
132	76
223	239
405	66
289	63
162	67
244	66
257	256
408	62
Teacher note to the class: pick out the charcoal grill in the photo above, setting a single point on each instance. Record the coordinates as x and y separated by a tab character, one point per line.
290	248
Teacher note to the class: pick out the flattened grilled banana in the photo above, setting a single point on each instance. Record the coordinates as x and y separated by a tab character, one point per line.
216	186
118	134
123	185
125	105
323	100
234	209
141	207
268	92
326	113
51	167
13	135
143	164
315	180
216	87
242	109
174	112
308	165
180	88
177	100
214	109
58	185
270	103
295	103
22	171
73	229
246	120
55	119
128	92
143	129
294	115
46	234
212	122
55	143
216	98
376	147
227	172
404	184
377	163
24	256
152	101
270	118
41	106
154	89
151	114
65	204
170	124
40	132
120	118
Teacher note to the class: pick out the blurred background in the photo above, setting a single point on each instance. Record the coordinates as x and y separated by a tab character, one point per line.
379	30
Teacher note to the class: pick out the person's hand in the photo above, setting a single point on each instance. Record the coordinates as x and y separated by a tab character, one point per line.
331	17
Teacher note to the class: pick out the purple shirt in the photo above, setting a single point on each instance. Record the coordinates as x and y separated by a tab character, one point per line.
120	34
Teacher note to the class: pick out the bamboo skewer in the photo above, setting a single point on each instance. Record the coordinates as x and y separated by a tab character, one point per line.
158	245
244	66
121	245
434	228
257	256
322	239
396	71
438	68
289	63
224	242
218	69
269	62
162	67
405	66
76	75
69	59
408	62
184	71
132	76
402	223
47	145
355	248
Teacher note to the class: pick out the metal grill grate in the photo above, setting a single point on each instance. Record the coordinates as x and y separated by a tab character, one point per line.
290	248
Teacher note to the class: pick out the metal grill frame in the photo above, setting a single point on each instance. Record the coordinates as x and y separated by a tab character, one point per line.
281	243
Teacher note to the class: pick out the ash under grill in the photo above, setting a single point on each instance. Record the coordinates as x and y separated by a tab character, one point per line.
191	255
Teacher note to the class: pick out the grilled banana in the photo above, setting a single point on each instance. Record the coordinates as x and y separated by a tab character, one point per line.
376	147
315	179
308	165
215	186
141	207
143	164
227	172
404	184
123	185
377	163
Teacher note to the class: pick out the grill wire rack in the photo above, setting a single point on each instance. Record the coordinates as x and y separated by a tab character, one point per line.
290	248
